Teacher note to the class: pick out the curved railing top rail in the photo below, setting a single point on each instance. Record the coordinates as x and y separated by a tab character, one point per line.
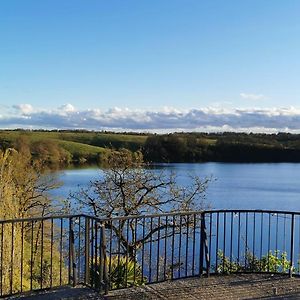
175	213
198	212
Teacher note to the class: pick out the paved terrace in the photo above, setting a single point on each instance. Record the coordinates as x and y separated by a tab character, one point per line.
242	286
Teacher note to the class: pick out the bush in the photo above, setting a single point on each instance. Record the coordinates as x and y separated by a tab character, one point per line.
273	262
124	272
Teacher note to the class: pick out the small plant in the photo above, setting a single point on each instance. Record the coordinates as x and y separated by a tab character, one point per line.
124	272
273	262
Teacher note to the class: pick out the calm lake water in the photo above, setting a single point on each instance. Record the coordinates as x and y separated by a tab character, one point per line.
235	186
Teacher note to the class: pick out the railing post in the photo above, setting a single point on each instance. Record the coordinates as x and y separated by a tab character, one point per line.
292	245
103	250
87	251
72	263
203	247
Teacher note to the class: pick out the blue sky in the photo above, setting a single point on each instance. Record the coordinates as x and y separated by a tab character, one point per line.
148	65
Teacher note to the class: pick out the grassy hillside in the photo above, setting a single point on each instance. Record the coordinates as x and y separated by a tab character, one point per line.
77	146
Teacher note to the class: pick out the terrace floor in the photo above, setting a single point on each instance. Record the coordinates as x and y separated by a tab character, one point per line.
242	286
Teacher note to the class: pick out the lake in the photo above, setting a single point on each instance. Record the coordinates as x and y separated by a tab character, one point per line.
235	186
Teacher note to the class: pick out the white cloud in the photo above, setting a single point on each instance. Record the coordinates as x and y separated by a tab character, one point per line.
24	109
67	108
252	96
167	119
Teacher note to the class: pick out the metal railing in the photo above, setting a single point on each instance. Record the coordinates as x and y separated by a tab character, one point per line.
105	254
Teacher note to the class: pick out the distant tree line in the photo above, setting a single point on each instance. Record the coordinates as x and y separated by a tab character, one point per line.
222	147
61	148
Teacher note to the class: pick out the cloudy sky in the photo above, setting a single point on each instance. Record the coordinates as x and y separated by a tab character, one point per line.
154	65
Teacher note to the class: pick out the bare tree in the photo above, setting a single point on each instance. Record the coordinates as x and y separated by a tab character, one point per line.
130	187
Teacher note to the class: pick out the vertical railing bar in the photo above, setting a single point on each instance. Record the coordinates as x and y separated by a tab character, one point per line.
298	261
269	242
276	242
210	241
110	253
231	241
51	254
292	245
143	247
172	248
134	249
261	239
165	249
92	253
102	262
158	246
12	258
284	236
179	249
239	238
284	233
1	270
22	255
42	252
31	256
150	253
119	246
87	251
70	252
127	252
194	244
96	252
224	241
246	242
60	251
73	253
253	241
201	254
217	243
206	250
79	250
103	248
187	245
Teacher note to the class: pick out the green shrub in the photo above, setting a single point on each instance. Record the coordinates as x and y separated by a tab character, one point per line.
273	262
124	272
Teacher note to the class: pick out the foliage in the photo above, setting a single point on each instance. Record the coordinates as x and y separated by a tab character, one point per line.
124	272
271	262
24	188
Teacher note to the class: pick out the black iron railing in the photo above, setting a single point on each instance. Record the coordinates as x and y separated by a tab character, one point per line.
105	254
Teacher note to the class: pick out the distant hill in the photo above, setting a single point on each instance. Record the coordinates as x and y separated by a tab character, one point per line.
80	146
72	146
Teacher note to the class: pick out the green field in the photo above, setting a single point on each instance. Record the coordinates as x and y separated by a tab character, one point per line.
85	146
